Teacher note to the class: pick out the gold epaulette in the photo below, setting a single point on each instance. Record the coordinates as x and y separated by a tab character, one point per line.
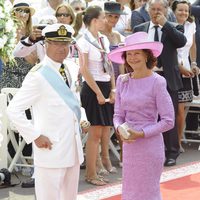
36	67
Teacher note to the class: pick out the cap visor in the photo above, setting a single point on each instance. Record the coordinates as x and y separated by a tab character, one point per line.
59	39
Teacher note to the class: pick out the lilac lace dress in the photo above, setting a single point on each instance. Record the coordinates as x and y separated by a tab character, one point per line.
138	102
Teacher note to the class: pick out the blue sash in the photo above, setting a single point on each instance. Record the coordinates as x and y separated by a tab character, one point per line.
62	89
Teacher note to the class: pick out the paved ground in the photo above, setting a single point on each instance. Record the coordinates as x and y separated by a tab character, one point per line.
191	155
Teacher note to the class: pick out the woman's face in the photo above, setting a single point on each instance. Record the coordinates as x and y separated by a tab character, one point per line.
100	22
63	16
136	59
112	19
22	14
78	7
182	12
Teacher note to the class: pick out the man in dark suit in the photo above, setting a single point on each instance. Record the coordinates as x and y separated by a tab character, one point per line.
172	37
141	15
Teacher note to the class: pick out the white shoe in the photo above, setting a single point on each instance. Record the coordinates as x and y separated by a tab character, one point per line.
182	150
120	164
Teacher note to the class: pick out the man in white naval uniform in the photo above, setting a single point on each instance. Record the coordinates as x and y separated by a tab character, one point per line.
56	114
25	47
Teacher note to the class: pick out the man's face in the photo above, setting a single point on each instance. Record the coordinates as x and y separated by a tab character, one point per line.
155	9
57	51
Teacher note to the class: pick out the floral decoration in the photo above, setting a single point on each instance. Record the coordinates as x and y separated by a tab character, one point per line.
7	32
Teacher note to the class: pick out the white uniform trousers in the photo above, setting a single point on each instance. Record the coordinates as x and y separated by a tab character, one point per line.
57	183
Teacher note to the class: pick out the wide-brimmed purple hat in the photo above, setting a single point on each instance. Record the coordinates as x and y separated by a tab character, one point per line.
135	41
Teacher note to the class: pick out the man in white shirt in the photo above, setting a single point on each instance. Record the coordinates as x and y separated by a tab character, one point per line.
56	112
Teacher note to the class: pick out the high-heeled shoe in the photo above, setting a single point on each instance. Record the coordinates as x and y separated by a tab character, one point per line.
100	168
103	172
182	150
112	170
104	179
108	165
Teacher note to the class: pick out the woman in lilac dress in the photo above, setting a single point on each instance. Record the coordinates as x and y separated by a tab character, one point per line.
141	96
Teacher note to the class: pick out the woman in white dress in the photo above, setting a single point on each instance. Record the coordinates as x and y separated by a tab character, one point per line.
187	60
98	86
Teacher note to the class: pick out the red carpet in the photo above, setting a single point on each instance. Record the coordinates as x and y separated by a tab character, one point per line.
185	188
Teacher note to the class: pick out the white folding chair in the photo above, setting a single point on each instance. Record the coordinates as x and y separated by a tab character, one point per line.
112	146
3	132
18	159
194	103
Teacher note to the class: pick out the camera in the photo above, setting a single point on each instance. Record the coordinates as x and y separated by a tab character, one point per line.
41	27
5	177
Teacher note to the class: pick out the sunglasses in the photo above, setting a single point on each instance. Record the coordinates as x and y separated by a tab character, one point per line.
62	14
79	8
27	11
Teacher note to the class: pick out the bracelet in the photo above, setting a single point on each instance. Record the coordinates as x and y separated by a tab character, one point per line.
194	63
113	90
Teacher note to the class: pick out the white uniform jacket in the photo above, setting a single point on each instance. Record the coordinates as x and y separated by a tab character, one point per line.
25	48
52	117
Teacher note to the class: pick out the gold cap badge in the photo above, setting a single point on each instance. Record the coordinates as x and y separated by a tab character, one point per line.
62	31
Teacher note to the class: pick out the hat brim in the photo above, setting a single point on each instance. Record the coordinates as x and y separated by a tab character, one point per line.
116	55
32	10
116	12
59	39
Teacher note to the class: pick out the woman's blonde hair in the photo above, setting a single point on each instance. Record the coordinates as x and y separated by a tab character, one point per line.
28	25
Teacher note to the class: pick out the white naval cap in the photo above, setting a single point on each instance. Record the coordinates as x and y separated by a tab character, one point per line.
58	32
